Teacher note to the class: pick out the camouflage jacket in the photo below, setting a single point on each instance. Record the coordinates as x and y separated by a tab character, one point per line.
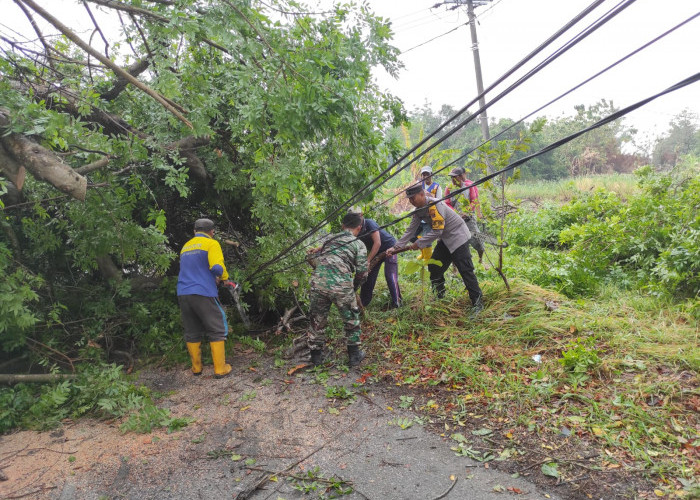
341	256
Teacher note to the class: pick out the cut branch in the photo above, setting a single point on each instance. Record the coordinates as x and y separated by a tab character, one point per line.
13	170
91	167
42	163
35	378
107	62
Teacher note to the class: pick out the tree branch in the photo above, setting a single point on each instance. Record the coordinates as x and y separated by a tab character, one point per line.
37	31
97	27
151	15
134	70
107	62
13	170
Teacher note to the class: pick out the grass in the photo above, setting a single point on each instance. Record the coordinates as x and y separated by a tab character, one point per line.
620	371
564	190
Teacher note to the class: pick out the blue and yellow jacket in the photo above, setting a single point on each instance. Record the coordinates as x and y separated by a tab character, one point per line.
201	262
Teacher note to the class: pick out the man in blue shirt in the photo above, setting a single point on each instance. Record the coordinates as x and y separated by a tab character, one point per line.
429	186
376	241
201	270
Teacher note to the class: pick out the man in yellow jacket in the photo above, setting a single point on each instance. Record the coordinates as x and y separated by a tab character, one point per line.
201	269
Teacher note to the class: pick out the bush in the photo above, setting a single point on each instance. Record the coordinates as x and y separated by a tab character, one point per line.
651	241
101	391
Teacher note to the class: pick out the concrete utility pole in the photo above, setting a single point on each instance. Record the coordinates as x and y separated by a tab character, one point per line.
483	118
477	67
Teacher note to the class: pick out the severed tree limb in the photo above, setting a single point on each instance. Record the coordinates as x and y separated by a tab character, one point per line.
447	491
168	105
45	165
108	268
91	167
9	166
245	494
34	378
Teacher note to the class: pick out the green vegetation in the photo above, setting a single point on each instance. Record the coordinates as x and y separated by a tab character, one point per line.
563	190
279	121
614	362
650	241
98	391
314	482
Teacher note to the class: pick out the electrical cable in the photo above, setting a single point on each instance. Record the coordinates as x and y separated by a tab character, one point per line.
433	39
561	96
611	117
623	4
517	66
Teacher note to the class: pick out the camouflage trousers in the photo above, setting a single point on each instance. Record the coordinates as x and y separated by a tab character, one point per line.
321	301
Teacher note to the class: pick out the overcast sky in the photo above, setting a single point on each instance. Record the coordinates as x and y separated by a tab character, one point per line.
442	71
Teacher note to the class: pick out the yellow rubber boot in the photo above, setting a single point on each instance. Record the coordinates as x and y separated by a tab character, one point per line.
194	348
218	355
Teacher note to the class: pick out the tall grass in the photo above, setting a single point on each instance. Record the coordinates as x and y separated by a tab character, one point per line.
564	190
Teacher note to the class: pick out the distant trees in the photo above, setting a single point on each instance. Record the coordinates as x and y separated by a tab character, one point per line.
597	152
682	138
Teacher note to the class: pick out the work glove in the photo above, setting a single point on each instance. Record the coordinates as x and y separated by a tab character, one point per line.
230	285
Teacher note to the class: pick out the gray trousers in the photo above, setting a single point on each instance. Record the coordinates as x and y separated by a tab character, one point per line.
203	318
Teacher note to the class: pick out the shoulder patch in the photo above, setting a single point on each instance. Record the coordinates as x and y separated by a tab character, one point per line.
437	220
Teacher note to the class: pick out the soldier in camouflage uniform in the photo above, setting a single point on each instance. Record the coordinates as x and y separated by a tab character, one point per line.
340	257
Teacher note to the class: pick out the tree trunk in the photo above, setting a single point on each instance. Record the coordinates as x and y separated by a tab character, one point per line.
38	378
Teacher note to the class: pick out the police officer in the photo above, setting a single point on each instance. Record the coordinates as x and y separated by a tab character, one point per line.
340	257
452	246
201	269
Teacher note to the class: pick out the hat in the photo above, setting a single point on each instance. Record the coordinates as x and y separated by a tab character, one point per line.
203	225
354	210
414	189
426	169
456	171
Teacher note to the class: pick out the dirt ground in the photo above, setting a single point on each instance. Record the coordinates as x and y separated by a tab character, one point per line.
263	427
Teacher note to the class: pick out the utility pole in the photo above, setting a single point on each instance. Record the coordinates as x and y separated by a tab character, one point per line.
483	118
477	67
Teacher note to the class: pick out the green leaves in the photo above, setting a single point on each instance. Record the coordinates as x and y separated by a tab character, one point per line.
551	469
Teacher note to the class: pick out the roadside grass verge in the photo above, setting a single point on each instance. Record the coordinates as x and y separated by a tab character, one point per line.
619	373
564	190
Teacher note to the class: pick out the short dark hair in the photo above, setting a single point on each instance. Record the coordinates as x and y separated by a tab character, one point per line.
203	225
414	189
351	221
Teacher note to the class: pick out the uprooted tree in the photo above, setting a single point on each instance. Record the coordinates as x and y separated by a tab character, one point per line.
259	115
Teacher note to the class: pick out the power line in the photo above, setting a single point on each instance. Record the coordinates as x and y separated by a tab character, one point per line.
561	96
623	4
354	197
434	38
576	39
487	10
604	121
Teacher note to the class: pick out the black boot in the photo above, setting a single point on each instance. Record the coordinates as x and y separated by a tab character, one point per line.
317	357
477	306
355	355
